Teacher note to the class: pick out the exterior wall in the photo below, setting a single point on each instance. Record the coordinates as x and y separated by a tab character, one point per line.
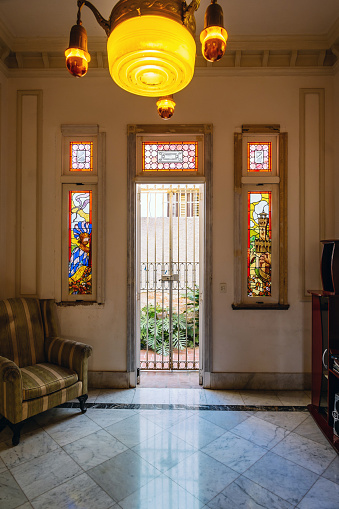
243	341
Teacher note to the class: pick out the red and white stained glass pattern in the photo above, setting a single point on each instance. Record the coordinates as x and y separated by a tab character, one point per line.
259	156
171	156
81	156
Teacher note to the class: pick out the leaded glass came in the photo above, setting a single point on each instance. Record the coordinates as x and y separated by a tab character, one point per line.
259	246
171	156
259	156
81	156
80	246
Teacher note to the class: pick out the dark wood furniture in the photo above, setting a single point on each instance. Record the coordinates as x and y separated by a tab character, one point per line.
325	342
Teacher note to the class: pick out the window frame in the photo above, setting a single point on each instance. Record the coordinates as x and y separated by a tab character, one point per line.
245	181
82	180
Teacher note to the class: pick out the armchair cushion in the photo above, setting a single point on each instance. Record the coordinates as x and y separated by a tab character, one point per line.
43	379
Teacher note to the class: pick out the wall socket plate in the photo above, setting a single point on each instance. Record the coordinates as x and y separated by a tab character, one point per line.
223	288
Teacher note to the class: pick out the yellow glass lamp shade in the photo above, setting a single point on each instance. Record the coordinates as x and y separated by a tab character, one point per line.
165	107
151	55
213	40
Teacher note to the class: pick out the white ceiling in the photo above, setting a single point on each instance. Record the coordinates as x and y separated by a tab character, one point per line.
53	18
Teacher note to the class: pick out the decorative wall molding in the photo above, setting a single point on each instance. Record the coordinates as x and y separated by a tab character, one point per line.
29	163
312	185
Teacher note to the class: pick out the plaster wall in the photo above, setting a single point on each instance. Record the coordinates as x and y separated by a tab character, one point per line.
243	341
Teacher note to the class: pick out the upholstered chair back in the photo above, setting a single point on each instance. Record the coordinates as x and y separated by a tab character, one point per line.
21	331
49	318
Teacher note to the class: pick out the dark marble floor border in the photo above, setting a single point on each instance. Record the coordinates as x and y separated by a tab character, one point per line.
224	408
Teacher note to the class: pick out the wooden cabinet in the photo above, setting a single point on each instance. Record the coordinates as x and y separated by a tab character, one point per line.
325	342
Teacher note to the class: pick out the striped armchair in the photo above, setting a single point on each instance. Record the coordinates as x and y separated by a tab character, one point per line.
38	369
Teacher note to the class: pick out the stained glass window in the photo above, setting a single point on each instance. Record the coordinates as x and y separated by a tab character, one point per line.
171	156
259	156
79	244
81	156
259	246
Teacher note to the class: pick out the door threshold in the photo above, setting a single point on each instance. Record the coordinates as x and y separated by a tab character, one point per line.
170	379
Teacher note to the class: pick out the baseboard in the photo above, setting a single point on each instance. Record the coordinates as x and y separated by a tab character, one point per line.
260	381
108	380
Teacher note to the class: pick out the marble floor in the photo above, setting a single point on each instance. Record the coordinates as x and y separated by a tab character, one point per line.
164	448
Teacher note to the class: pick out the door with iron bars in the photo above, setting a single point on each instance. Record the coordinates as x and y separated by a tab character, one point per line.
168	240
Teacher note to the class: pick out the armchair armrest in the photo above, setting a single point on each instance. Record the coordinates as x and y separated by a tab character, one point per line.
9	371
69	354
64	352
10	390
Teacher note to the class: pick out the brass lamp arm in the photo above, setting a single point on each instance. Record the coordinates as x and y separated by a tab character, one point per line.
189	10
102	21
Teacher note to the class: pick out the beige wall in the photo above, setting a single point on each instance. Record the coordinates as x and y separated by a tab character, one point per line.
249	341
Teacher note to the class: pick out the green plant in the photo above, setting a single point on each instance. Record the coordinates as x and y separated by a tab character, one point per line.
154	326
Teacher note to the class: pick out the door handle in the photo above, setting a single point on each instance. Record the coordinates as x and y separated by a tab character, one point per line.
172	277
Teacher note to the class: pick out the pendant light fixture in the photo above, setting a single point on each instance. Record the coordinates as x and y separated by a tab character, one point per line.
213	38
151	45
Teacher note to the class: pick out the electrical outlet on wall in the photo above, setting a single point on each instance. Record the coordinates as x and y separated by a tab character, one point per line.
223	288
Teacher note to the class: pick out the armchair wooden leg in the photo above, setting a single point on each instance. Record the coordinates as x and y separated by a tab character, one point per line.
82	399
16	428
3	423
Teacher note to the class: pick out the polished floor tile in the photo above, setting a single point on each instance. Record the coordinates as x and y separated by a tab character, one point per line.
282	477
324	494
164	448
235	452
196	431
32	445
306	453
226	420
69	428
45	473
166	418
308	430
116	396
297	398
202	476
266	398
223	397
123	474
332	471
286	420
11	495
94	449
79	493
161	493
260	432
109	416
247	495
133	430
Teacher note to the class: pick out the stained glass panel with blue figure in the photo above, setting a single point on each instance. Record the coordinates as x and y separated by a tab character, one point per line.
80	243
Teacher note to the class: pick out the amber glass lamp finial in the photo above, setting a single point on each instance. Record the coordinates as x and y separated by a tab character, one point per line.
165	106
213	38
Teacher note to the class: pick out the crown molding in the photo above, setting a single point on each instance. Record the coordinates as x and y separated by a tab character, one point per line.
200	72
